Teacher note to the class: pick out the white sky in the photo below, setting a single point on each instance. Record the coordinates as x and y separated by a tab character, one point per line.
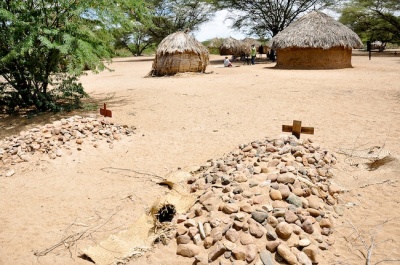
217	27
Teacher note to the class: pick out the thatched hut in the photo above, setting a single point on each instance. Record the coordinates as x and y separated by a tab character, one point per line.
252	41
315	41
215	43
244	48
263	49
230	46
179	53
245	45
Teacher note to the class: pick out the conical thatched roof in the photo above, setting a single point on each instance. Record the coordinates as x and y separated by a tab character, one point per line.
245	45
179	53
230	43
180	42
230	46
215	43
316	30
252	41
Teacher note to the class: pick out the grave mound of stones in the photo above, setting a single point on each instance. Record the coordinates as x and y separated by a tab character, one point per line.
266	202
59	138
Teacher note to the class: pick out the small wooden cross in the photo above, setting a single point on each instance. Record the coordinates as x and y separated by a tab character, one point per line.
105	112
296	129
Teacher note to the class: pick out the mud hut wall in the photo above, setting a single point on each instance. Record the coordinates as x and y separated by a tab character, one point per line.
314	58
226	51
236	51
263	49
169	64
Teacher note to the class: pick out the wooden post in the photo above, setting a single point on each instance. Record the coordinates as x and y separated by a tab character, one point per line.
105	112
296	129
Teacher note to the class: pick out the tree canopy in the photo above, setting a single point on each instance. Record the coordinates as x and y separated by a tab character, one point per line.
45	45
373	19
169	16
267	17
165	18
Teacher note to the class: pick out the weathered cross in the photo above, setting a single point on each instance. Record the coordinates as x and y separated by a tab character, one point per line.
296	129
105	112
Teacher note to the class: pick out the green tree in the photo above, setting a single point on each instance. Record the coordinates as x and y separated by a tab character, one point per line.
169	16
165	17
267	17
46	45
373	19
135	39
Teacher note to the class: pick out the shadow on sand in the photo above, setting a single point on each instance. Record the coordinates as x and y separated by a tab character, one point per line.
133	59
28	119
240	62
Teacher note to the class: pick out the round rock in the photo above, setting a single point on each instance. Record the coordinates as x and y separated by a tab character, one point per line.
285	191
286	254
284	230
183	239
275	195
290	216
251	252
246	238
272	245
259	216
307	226
232	235
230	208
312	252
188	250
256	229
325	223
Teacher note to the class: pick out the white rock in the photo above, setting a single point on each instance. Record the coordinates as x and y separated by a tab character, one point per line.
10	173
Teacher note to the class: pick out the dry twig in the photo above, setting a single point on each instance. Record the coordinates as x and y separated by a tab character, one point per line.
109	170
367	248
71	240
389	181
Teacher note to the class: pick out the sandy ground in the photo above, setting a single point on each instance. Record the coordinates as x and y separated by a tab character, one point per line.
188	119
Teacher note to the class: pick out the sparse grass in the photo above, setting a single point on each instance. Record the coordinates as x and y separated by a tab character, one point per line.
123	53
89	106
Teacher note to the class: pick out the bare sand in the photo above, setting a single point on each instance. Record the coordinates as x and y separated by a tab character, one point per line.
188	119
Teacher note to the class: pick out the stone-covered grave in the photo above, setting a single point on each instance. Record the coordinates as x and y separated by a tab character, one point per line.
268	202
59	138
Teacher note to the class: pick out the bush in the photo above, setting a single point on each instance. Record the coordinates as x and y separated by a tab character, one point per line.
46	45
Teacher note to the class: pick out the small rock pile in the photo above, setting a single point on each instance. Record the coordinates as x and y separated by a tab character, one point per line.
52	139
264	202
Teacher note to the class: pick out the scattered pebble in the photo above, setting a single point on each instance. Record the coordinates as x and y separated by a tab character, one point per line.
57	138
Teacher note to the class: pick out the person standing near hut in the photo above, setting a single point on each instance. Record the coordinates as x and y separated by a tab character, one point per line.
253	54
272	55
260	51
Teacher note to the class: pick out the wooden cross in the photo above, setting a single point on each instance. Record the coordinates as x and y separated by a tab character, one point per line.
105	112
296	129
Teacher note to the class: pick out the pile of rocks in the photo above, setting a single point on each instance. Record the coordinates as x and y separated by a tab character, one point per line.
53	139
264	202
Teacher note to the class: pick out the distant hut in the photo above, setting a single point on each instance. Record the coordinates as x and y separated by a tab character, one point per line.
215	43
230	46
252	41
179	53
244	48
315	41
245	45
